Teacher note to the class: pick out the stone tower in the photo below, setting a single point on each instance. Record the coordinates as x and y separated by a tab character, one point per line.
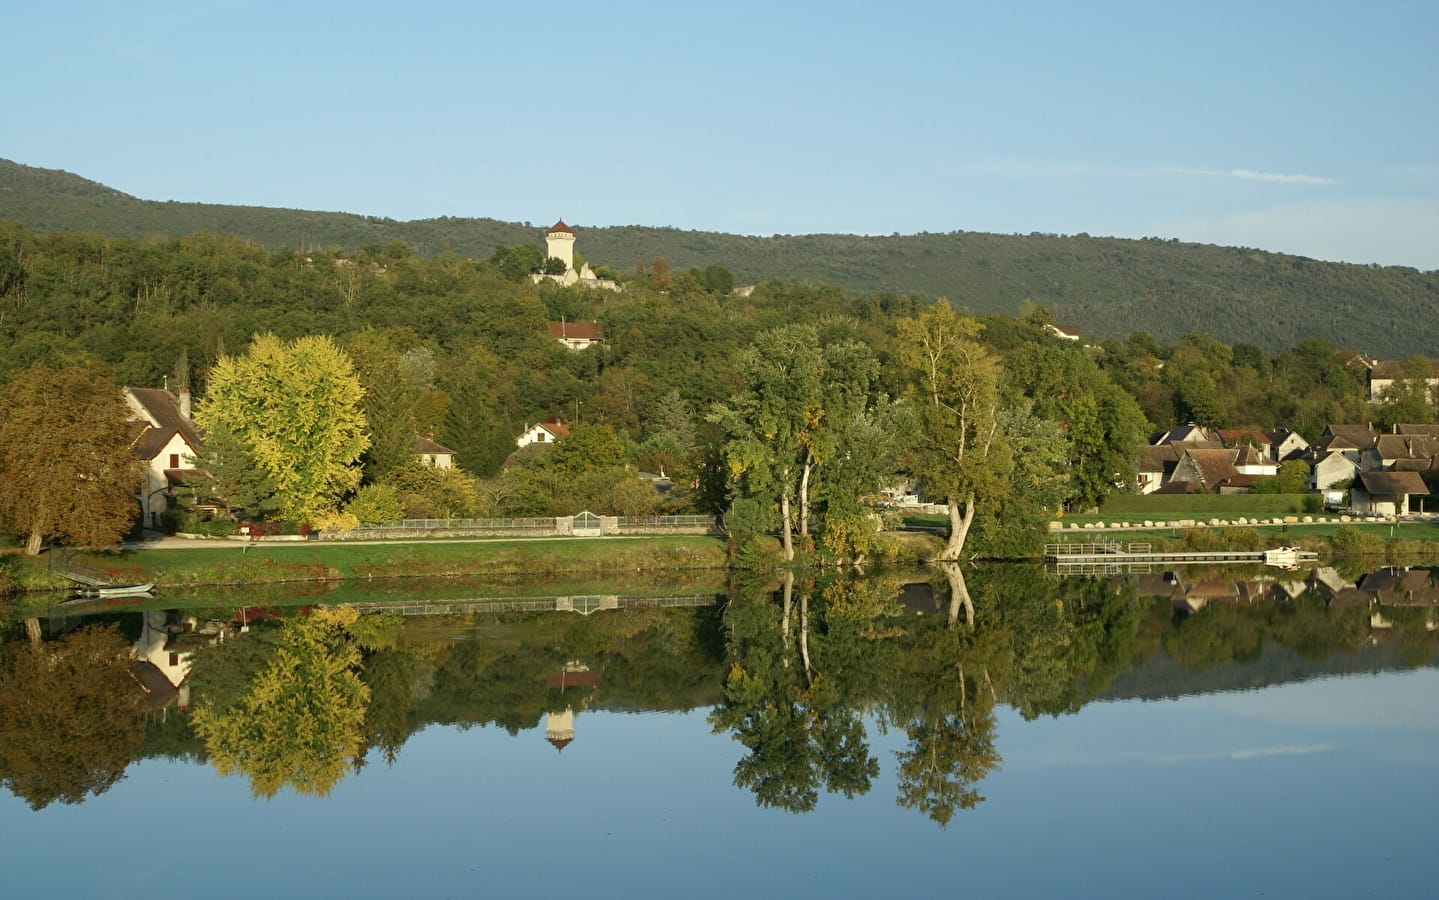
560	243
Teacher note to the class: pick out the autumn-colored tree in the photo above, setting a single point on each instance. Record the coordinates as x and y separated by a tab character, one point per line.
69	716
296	409
298	721
66	470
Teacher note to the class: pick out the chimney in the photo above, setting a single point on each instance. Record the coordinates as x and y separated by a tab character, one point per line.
185	403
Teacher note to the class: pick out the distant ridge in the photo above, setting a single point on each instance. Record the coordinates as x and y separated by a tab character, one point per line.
1108	287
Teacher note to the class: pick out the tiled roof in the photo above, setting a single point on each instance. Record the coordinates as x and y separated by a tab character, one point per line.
1403	446
1390	369
1342	436
560	226
1392	483
164	410
577	331
427	445
1214	466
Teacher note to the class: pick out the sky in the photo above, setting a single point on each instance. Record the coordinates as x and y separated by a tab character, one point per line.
1301	127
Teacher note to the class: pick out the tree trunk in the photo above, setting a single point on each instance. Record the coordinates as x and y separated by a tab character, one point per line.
34	543
959	523
32	629
804	499
786	526
788	596
958	594
804	637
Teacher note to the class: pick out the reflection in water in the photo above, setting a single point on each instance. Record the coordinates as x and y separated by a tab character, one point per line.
791	669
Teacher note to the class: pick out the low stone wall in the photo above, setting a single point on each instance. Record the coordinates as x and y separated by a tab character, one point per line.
1241	522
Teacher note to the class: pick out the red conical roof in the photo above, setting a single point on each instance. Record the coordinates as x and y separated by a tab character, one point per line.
561	226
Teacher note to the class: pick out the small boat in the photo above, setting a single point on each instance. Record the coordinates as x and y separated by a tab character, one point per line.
117	590
1286	557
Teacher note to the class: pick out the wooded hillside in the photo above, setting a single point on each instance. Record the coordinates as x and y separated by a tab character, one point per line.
1107	287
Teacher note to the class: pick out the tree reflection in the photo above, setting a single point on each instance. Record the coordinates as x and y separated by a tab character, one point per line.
69	716
944	694
785	698
297	722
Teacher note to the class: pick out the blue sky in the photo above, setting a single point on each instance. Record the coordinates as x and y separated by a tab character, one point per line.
1309	128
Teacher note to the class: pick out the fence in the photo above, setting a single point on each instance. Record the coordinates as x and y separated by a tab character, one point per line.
641	523
548	523
585	524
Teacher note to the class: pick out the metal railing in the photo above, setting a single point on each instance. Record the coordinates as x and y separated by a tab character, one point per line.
666	521
441	524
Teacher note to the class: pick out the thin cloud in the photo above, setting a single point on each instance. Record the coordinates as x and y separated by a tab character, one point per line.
1042	169
1279	178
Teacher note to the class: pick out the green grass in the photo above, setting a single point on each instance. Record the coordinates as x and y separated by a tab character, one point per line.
269	563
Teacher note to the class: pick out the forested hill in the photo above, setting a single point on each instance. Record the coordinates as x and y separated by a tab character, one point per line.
1108	287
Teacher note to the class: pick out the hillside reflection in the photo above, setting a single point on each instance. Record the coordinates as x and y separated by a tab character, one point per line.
796	670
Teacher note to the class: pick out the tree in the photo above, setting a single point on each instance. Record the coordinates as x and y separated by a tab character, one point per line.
66	470
952	380
767	425
231	477
295	407
1408	400
69	716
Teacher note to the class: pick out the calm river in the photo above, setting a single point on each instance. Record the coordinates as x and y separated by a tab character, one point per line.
1181	735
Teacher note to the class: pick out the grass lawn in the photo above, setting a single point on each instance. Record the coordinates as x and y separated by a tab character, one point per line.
310	561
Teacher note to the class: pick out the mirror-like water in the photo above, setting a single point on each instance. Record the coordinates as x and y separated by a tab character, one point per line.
1000	731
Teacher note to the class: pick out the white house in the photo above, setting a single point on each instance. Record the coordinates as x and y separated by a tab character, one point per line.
1385	493
166	442
432	454
546	432
1331	467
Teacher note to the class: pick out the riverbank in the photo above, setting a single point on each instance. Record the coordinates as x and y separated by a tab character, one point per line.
216	563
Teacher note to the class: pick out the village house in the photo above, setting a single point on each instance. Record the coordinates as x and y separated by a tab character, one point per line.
577	335
1383	374
1330	468
546	432
1285	445
432	454
1211	472
166	442
1385	493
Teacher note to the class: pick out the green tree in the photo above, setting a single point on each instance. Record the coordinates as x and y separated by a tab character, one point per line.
229	476
1408	400
768	425
586	448
66	469
952	381
295	407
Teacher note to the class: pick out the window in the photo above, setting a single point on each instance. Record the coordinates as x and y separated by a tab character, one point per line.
174	460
